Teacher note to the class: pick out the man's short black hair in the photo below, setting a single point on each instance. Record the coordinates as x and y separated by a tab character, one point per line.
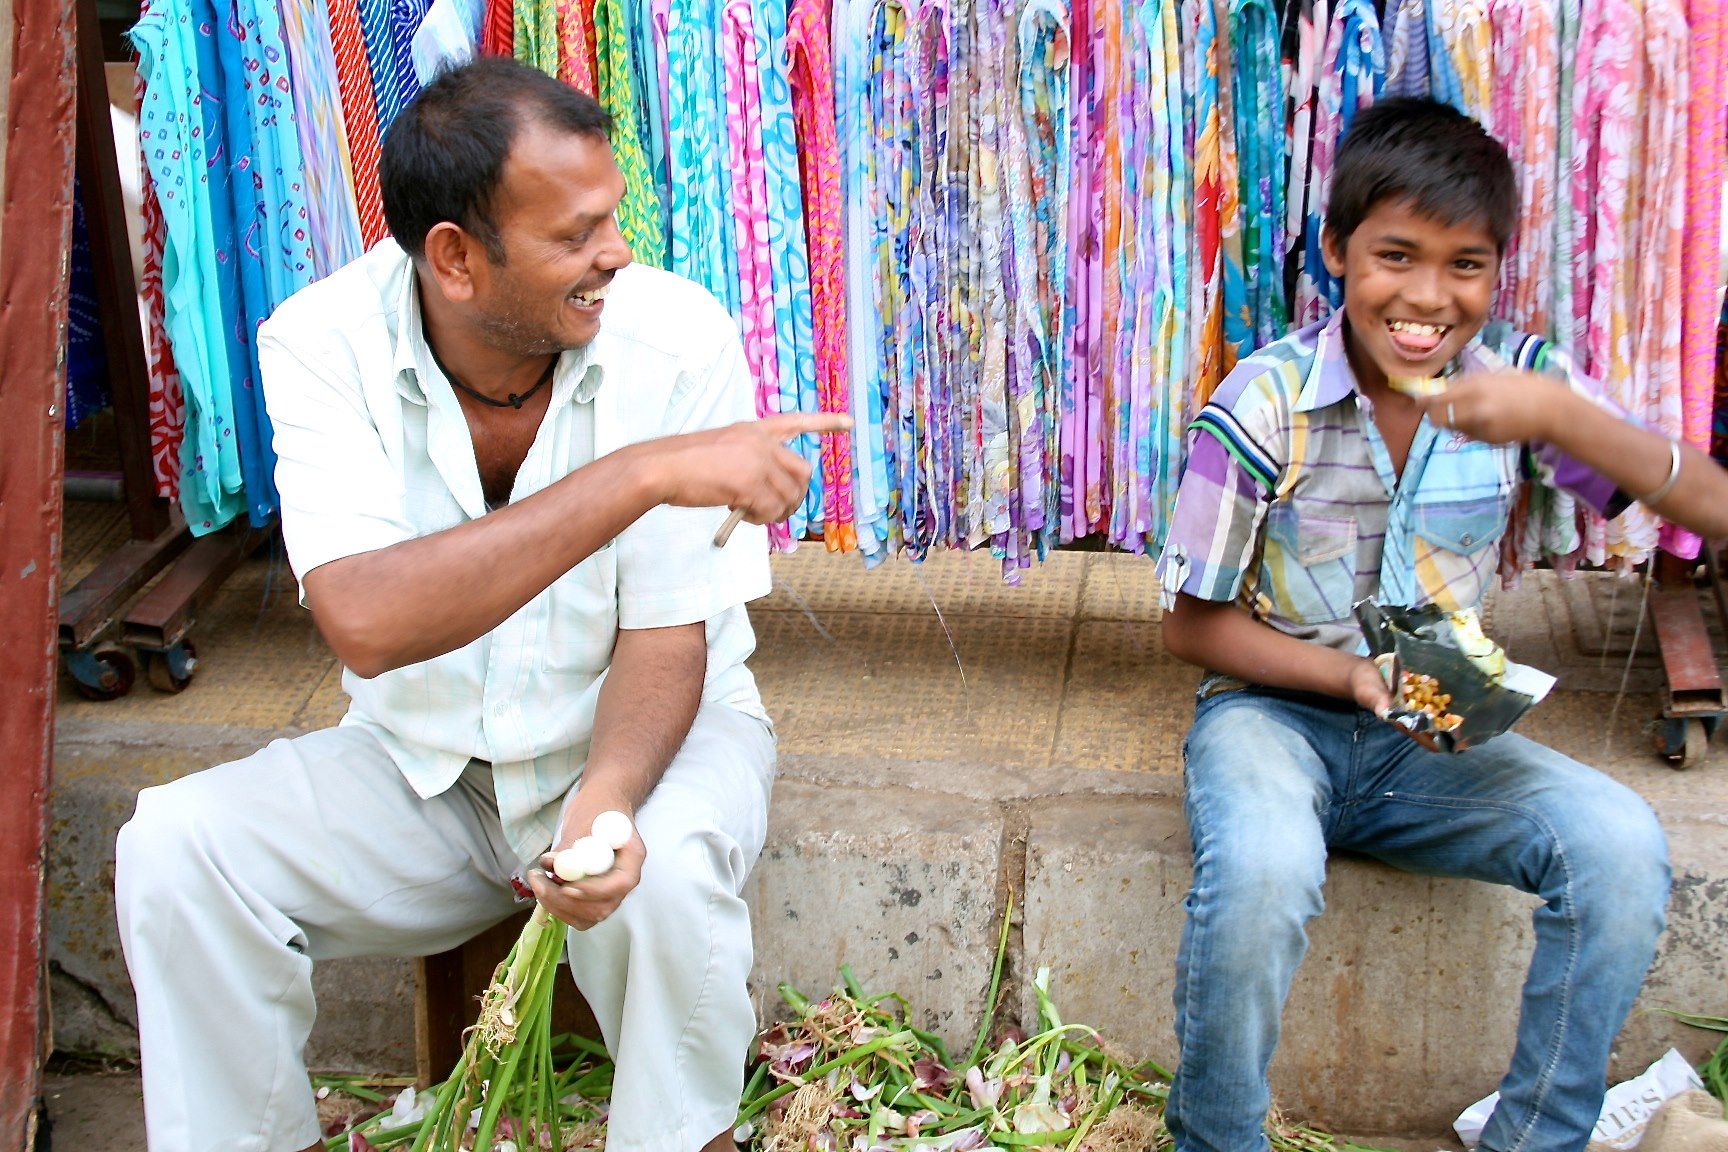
443	157
1427	153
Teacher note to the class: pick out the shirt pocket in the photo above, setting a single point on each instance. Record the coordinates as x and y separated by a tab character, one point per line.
1308	568
1455	550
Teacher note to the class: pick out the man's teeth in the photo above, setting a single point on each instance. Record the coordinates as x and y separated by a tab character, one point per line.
588	298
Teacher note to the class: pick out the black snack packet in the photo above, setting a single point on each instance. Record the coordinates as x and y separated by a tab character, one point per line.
1419	641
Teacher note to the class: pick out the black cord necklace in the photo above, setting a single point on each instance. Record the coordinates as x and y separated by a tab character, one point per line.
514	400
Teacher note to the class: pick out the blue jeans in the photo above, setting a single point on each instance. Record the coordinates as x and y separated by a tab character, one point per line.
1274	782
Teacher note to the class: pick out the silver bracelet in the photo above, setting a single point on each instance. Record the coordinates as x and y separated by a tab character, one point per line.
1673	477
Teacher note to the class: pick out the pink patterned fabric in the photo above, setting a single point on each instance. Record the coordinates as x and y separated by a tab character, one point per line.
750	217
167	403
1604	123
811	72
1525	118
574	52
1659	194
1699	261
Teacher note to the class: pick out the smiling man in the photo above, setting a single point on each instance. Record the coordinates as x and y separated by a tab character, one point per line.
504	452
1315	480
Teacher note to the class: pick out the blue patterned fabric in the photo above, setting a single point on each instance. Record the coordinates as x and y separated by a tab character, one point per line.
86	359
376	31
180	127
272	229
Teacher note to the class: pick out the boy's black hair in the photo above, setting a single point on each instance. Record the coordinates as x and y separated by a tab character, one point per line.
443	157
1427	153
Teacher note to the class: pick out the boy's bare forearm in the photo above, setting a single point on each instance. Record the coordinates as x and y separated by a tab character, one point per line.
1225	638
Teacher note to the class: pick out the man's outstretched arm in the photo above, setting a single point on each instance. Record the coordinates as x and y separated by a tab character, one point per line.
424	597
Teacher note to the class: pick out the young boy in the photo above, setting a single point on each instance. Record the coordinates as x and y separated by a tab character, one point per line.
1312	484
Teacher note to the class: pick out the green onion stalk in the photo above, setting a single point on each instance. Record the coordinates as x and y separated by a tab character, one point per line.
851	1072
507	1090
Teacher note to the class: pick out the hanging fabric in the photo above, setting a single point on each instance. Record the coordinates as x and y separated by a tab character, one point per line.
1258	102
811	75
333	216
176	60
534	34
1604	116
166	405
359	116
1701	243
86	357
639	215
856	52
1018	241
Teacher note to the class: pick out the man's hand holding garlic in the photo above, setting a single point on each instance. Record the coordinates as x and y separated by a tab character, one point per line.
587	874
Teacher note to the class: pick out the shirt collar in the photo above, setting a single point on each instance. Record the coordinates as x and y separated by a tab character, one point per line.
1331	379
582	367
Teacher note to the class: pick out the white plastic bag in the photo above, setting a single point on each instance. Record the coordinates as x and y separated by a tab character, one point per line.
1625	1110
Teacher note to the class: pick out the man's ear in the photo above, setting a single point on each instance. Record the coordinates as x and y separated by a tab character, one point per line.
1332	250
451	254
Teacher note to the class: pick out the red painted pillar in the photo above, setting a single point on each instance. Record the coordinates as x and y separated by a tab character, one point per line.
35	230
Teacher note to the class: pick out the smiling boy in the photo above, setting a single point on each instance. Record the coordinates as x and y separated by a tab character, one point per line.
1312	483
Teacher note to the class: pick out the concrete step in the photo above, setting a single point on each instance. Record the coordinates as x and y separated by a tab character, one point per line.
1403	1013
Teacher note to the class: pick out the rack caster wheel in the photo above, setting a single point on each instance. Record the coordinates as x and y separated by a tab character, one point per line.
1683	743
171	670
106	672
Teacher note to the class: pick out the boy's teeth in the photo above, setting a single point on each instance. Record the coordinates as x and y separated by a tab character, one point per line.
1417	329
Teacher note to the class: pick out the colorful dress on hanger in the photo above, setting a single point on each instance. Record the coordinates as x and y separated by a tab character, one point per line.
381	60
1404	28
1604	123
167	405
1654	295
534	39
266	183
795	341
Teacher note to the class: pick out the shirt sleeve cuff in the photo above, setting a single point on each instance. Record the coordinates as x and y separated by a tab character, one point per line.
694	605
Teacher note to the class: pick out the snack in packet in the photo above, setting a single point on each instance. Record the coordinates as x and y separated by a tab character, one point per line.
1452	687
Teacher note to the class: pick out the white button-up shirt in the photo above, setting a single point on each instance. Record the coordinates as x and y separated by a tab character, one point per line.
373	449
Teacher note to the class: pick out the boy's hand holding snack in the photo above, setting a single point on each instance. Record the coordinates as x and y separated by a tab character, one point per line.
1498	407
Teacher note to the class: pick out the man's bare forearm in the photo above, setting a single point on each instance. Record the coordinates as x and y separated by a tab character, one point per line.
646	706
434	594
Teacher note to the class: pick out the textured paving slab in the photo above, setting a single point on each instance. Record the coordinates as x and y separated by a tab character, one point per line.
966	687
260	659
1127	703
951	582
